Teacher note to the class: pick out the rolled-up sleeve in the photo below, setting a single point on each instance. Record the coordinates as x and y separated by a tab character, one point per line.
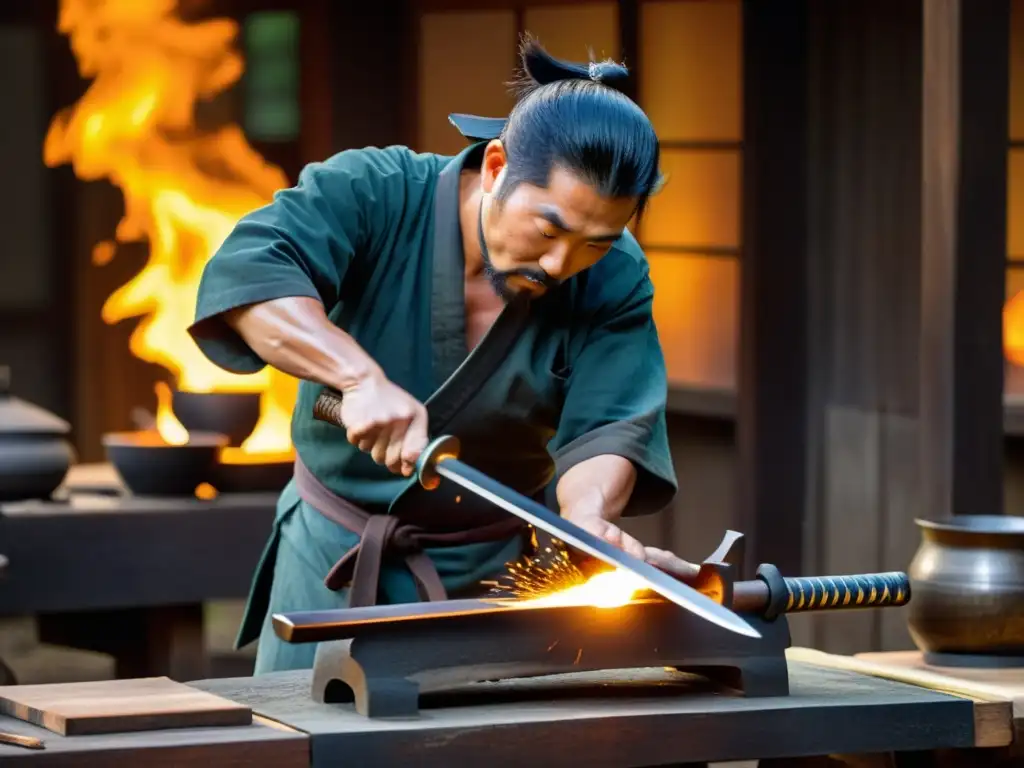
615	402
299	245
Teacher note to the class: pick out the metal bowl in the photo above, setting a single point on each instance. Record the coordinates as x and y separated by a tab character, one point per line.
228	413
150	467
968	582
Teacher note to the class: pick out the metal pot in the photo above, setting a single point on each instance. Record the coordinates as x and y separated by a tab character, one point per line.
35	454
968	583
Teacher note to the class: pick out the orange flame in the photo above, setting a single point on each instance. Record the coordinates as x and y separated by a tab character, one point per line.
184	189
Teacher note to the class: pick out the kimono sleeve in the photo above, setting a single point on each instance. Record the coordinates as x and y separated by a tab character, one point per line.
299	245
615	402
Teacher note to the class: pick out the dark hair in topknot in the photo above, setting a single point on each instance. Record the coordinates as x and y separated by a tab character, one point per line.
569	115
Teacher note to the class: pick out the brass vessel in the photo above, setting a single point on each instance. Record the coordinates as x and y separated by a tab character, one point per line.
968	583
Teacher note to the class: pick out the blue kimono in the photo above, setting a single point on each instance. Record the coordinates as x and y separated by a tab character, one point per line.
374	234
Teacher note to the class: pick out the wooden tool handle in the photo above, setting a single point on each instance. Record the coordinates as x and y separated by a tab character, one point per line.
328	408
17	740
829	593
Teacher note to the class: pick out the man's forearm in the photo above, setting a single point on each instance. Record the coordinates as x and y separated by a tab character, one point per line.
295	336
600	486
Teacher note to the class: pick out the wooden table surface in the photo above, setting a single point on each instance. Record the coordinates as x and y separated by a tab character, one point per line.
607	720
997	694
638	718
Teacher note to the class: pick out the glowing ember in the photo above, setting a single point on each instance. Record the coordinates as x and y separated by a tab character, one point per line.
184	189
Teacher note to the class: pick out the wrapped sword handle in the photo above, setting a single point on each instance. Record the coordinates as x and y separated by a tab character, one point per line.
830	593
328	407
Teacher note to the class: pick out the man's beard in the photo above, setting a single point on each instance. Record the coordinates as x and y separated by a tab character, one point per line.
499	279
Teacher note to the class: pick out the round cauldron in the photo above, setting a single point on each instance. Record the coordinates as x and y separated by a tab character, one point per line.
35	453
150	467
968	582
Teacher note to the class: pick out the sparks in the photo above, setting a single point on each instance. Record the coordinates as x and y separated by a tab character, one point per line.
552	579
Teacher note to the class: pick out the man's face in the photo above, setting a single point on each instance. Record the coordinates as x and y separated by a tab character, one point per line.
540	236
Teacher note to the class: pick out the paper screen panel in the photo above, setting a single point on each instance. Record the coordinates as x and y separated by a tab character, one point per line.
572	31
696	310
690	69
699	205
466	60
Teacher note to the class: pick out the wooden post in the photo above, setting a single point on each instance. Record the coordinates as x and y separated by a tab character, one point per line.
772	406
964	145
874	256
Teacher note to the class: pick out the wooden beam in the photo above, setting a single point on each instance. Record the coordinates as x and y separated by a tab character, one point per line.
963	237
772	408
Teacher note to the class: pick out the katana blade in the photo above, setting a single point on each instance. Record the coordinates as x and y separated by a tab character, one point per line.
440	460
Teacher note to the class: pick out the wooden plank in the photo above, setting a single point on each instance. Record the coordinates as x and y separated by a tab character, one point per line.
995	707
119	706
262	744
623	718
1008	683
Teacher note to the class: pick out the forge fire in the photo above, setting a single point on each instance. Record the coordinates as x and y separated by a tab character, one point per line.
184	186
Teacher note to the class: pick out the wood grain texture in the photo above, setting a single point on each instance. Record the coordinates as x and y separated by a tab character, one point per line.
119	706
993	700
994	683
624	718
940	171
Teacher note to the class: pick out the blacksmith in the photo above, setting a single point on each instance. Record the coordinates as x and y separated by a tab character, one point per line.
497	296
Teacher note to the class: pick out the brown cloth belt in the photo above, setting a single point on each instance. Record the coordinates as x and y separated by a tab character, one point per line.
382	534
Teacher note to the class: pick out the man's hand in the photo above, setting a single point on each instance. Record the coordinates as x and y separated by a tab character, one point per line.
659	558
672	565
592	522
385	421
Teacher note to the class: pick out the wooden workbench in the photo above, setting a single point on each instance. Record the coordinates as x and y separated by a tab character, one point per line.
997	696
626	719
638	718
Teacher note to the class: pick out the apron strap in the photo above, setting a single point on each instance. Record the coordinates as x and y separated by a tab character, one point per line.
382	535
